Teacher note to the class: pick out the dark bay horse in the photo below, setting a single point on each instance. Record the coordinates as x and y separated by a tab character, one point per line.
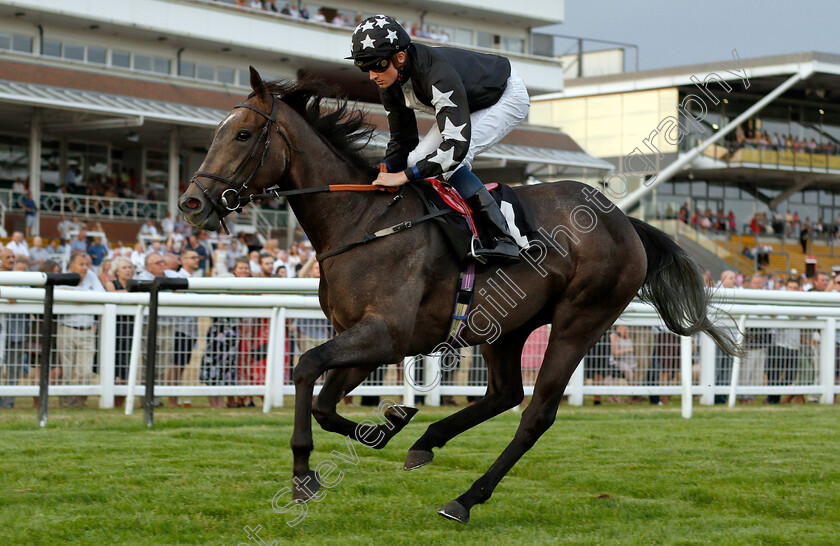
394	297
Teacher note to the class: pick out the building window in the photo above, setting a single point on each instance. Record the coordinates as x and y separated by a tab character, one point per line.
204	72
143	62
225	75
244	78
186	69
463	36
161	65
484	39
96	55
121	59
74	52
51	48
22	43
515	45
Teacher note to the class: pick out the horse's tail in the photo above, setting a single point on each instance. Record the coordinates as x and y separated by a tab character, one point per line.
674	286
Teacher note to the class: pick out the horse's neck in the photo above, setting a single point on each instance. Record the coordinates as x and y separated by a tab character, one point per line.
325	217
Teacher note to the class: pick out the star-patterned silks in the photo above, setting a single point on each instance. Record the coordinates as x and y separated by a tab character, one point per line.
444	158
367	42
440	99
381	22
452	131
392	36
367	25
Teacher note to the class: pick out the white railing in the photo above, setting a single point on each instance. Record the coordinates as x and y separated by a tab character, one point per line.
88	206
791	349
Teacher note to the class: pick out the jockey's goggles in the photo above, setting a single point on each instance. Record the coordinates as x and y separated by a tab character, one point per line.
376	65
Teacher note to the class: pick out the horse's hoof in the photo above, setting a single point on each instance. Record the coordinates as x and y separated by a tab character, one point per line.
304	490
417	458
455	510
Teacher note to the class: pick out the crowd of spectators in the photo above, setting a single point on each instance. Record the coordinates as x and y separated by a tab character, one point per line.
336	17
762	140
781	356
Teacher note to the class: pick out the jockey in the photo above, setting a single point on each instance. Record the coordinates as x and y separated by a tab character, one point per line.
476	99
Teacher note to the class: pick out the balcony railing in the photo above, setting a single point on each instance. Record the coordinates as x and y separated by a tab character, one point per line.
782	159
88	206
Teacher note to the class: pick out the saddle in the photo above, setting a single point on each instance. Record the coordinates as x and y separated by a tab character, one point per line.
460	229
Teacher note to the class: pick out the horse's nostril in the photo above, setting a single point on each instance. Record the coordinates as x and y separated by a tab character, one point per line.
192	203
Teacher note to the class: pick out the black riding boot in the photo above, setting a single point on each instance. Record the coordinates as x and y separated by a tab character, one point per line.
497	243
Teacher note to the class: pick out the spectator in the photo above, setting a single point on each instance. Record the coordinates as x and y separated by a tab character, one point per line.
97	252
148	230
18	245
167	225
37	253
12	325
185	329
266	265
723	361
623	356
79	244
201	250
783	360
254	262
219	366
319	17
153	267
105	275
122	270
75	339
220	260
30	209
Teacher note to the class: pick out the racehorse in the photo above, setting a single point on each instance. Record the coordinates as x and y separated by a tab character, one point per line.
393	297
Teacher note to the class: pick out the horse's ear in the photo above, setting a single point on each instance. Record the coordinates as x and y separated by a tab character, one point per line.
257	83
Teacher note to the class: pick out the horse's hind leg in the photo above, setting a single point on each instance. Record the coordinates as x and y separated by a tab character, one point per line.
504	391
567	344
337	384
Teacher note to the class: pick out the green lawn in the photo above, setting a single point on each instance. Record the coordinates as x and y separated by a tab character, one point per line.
602	475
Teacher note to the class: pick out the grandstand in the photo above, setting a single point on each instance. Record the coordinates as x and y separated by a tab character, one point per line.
120	104
746	136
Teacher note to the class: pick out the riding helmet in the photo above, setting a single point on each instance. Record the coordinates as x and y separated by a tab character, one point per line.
377	37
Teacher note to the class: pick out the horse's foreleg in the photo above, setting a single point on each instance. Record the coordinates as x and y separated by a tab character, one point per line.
567	344
366	344
339	383
504	391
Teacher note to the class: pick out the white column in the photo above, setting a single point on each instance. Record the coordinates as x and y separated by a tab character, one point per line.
575	387
408	385
736	362
433	378
174	173
107	353
707	370
827	344
35	135
685	376
134	359
291	225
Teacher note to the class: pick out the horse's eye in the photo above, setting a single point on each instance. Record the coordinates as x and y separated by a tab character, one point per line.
243	135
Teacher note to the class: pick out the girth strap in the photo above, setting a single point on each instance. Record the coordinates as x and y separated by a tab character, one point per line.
463	300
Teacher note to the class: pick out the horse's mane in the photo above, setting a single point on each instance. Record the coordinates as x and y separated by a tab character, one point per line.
345	129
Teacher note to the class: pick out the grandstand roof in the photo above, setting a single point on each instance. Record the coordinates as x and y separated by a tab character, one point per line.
123	111
771	70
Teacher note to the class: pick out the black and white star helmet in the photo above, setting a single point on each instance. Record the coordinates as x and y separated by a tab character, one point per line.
378	37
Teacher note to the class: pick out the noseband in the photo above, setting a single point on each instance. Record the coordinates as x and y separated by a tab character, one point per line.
231	198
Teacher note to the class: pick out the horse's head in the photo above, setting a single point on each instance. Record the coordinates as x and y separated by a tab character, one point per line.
249	152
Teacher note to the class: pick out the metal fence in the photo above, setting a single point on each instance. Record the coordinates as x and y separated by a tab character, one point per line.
248	345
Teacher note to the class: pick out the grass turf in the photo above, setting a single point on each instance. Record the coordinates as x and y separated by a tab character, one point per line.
605	475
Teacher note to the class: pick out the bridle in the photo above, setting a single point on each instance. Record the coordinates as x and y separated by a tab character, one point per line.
231	198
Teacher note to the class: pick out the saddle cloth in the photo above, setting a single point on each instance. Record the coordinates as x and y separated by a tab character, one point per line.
460	228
